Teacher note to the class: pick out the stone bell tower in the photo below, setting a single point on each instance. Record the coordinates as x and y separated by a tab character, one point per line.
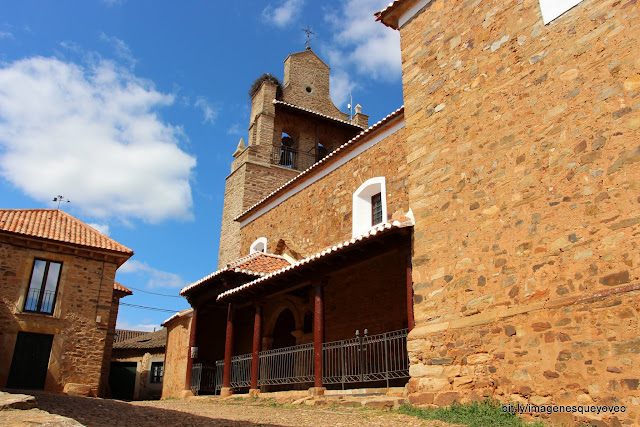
291	127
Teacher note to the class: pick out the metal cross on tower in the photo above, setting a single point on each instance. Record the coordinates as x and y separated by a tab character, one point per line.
309	34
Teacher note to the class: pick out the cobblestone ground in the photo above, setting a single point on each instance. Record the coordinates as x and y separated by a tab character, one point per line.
194	412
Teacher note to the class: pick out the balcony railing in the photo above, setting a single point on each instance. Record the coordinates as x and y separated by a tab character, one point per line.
33	302
291	158
362	359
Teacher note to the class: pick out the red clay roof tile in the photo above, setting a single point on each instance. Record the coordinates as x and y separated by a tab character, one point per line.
54	224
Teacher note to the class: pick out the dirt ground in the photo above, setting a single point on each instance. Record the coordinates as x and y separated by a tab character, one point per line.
67	411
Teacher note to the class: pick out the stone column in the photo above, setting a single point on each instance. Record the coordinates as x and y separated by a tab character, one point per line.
228	354
318	336
255	357
191	357
412	322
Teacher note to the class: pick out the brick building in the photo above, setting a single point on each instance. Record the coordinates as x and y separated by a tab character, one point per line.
498	210
59	301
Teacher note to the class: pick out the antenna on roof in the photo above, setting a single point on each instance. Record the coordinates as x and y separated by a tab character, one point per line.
309	34
349	105
60	198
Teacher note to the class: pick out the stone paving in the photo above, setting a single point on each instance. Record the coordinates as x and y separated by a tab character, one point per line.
67	411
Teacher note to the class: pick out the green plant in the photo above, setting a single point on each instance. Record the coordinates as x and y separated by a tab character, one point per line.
476	414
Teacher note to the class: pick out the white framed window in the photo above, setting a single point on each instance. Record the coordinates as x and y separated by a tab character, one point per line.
551	9
369	205
260	245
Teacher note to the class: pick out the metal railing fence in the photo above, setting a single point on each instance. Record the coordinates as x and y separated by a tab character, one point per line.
292	158
381	357
33	302
288	365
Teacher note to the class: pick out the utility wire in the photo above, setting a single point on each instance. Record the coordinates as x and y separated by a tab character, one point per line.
154	293
149	308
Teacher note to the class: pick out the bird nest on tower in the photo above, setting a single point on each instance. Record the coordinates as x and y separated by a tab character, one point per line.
266	77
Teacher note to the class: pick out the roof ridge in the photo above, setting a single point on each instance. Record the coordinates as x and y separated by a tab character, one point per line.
371	232
288	104
325	159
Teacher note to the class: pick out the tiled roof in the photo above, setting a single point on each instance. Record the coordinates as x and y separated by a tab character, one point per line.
118	287
324	160
182	313
378	229
125	334
346	122
157	339
57	225
381	15
255	264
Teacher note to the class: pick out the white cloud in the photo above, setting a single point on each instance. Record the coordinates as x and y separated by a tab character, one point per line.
103	228
209	112
362	44
126	325
156	278
5	35
93	135
284	14
235	130
341	86
121	48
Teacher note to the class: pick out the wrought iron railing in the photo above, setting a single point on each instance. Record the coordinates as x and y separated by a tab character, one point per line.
291	158
289	365
33	302
362	359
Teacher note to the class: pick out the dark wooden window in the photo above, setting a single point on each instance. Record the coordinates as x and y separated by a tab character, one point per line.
43	287
376	209
157	370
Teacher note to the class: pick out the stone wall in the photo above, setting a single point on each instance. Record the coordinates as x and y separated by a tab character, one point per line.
306	84
176	357
320	215
84	294
522	144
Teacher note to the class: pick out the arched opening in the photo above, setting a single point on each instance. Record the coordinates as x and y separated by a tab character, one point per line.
282	331
307	328
288	152
369	205
260	245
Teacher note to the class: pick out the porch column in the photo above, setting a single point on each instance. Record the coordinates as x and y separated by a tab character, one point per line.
228	354
412	322
255	358
318	334
193	355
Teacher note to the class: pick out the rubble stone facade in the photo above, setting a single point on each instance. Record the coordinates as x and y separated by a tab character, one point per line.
81	322
522	142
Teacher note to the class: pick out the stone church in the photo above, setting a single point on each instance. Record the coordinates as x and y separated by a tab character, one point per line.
480	241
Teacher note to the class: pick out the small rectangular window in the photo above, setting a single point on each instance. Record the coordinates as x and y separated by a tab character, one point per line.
376	209
43	287
157	370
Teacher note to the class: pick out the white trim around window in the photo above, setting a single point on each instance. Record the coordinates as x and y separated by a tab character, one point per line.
361	214
551	9
260	245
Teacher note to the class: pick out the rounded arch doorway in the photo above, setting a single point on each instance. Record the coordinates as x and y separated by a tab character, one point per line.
283	330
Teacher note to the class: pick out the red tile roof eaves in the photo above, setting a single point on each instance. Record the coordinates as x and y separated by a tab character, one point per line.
255	264
381	14
118	287
56	225
346	122
323	161
185	312
380	228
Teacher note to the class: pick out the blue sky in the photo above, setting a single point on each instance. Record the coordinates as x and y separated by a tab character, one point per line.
131	109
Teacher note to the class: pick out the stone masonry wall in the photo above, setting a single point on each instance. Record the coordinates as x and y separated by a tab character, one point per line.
320	215
176	358
84	293
522	144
